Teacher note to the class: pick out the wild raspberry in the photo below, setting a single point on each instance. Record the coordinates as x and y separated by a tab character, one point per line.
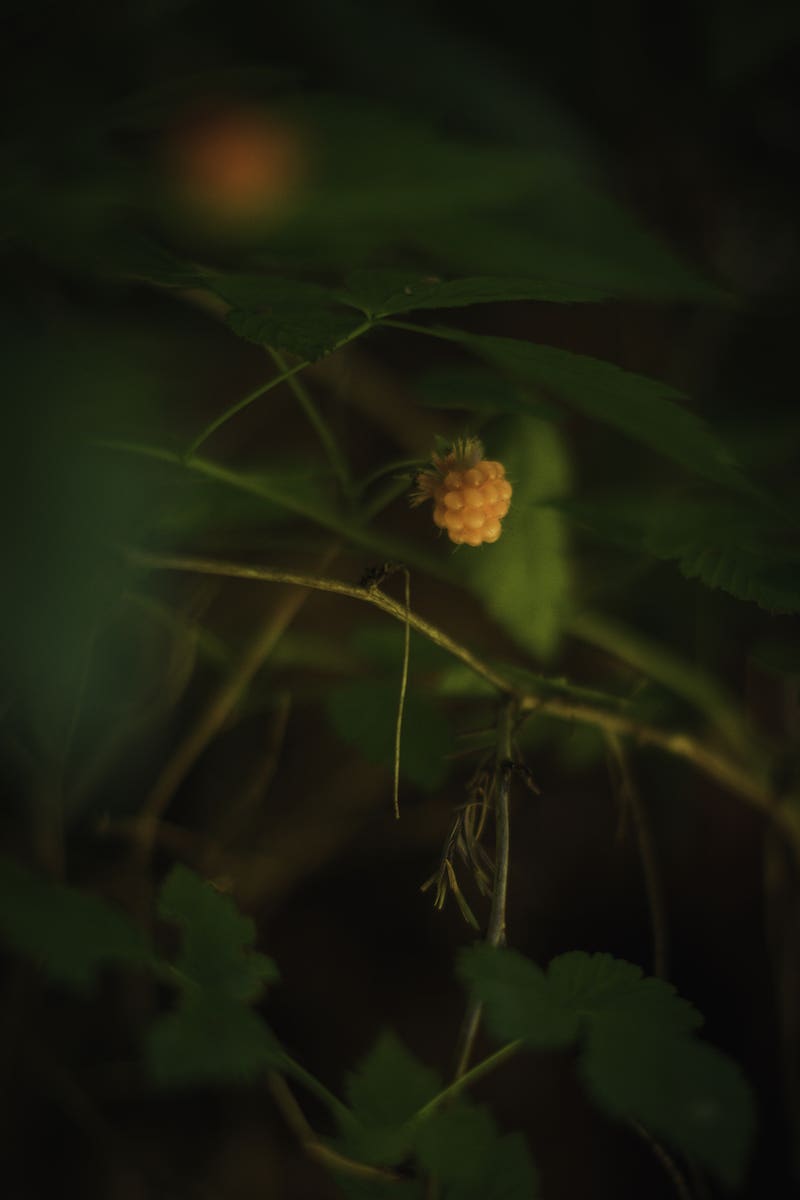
470	494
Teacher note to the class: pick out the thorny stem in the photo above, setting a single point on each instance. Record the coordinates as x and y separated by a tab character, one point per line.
496	927
711	762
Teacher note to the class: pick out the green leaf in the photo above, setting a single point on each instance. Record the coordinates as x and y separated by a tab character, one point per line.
455	1143
384	1092
213	1035
681	1090
298	318
383	293
216	954
640	1059
479	390
725	545
594	985
69	934
364	714
524	579
643	409
210	1039
733	549
519	1001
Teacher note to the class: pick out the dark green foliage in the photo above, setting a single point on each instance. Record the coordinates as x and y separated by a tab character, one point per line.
299	318
364	714
457	1143
216	953
69	934
680	1089
212	1036
743	550
384	1092
384	293
643	409
210	1039
478	390
524	578
520	1001
639	1057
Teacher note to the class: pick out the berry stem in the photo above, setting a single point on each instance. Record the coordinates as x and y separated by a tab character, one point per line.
262	390
321	426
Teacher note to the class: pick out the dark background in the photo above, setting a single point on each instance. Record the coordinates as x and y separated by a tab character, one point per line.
689	111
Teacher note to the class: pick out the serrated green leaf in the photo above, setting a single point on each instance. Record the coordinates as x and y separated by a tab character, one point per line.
455	1143
680	1089
643	409
384	1092
383	293
730	548
524	578
364	714
596	984
69	934
476	389
519	1001
300	318
210	1039
216	954
724	545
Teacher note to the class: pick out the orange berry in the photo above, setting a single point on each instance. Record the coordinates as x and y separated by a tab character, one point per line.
470	494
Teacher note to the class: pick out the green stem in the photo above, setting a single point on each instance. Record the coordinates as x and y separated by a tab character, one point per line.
289	1066
262	390
323	430
398	465
484	1067
326	516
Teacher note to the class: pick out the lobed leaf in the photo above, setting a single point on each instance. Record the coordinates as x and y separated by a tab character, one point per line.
300	318
682	1090
519	1001
209	1039
216	954
69	934
384	1093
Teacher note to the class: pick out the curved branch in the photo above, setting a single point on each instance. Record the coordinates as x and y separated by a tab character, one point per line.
730	773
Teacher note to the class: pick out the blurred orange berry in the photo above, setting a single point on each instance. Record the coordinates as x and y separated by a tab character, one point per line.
234	164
